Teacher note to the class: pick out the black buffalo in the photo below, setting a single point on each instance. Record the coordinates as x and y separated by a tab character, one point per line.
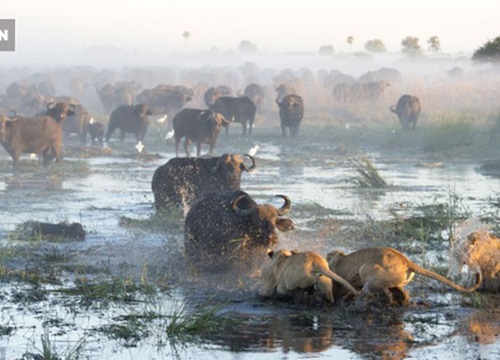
229	229
291	110
96	131
182	181
408	110
199	126
238	109
129	119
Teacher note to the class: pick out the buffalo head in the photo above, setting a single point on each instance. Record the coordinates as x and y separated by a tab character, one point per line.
265	217
60	110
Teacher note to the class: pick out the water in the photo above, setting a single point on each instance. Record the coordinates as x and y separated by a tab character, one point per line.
119	186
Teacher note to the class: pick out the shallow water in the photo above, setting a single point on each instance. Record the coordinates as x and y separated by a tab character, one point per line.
119	185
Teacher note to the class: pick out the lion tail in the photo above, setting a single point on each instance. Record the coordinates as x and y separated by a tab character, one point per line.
422	271
339	279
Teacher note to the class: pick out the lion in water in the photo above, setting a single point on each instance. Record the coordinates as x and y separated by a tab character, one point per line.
293	270
383	268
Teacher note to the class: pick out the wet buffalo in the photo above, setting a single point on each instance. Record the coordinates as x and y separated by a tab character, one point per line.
226	230
129	119
408	110
238	109
199	126
291	110
182	181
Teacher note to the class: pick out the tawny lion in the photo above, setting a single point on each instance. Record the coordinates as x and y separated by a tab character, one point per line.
292	270
383	268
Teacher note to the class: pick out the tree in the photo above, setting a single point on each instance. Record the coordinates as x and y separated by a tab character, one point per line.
434	44
186	35
375	46
350	41
247	47
410	46
326	50
489	52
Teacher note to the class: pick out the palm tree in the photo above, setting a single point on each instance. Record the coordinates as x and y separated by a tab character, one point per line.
186	35
350	41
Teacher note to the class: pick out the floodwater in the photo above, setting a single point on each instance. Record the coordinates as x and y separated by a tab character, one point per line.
436	325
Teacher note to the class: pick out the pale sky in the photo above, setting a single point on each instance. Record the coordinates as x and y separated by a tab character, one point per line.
274	26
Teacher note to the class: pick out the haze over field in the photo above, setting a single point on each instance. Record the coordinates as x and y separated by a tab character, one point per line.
148	31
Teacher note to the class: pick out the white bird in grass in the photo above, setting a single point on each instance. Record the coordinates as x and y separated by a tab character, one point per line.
139	147
169	135
253	150
162	119
91	121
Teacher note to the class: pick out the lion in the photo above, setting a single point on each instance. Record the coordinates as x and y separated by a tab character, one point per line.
293	270
476	248
383	268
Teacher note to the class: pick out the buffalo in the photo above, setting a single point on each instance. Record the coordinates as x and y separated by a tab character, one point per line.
96	132
107	97
41	135
408	110
239	109
129	119
199	126
359	91
165	99
212	94
255	92
78	123
59	111
291	110
229	229
183	181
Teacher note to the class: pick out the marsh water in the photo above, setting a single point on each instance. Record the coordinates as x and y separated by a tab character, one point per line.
109	192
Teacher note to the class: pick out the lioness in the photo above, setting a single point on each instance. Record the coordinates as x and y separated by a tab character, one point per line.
292	270
383	268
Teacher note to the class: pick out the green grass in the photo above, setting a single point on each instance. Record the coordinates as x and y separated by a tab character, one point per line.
368	175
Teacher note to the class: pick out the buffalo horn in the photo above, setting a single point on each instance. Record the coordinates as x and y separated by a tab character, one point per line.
237	210
277	102
252	166
286	206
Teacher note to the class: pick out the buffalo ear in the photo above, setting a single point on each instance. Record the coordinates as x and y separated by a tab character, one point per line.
284	224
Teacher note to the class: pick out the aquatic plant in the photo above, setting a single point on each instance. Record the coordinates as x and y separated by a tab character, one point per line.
368	175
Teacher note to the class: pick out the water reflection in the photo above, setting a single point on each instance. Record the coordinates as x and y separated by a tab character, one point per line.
483	328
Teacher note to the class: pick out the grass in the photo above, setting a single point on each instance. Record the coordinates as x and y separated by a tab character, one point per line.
368	175
50	351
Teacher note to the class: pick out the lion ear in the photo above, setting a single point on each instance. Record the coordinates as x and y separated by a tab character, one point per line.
270	253
295	251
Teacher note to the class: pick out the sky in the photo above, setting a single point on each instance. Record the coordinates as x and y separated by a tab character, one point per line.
274	26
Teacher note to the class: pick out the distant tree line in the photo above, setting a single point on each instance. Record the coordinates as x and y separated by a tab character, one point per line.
487	53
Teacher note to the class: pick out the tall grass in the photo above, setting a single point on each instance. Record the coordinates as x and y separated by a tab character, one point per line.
368	175
450	132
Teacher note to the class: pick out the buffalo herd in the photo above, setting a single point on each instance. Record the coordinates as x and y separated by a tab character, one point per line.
225	227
